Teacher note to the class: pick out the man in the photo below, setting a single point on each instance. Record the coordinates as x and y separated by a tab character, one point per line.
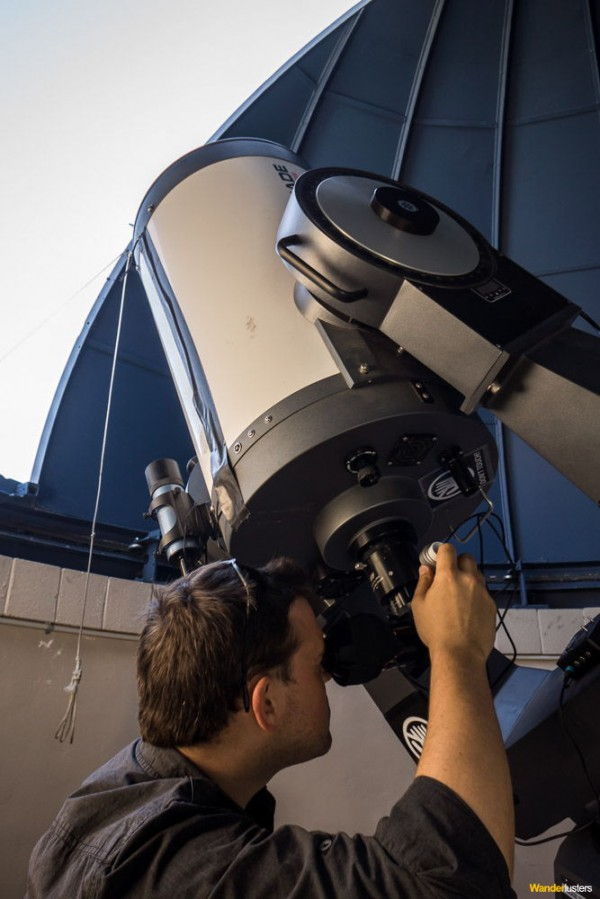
232	690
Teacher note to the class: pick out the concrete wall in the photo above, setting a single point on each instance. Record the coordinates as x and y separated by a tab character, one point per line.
349	789
38	771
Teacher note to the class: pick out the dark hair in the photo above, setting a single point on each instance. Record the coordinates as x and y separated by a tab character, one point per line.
199	639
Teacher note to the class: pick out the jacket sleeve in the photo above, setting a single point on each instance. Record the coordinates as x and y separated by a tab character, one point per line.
432	845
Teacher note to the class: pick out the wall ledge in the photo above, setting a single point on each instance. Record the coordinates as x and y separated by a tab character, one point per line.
37	593
34	593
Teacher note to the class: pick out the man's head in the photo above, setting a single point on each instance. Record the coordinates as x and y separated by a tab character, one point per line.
207	636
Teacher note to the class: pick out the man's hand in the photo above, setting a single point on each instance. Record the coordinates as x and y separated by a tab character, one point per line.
454	615
452	609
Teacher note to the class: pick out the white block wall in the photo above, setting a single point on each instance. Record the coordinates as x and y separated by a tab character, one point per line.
349	789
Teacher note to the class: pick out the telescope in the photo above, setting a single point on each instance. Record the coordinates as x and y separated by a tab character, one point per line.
331	334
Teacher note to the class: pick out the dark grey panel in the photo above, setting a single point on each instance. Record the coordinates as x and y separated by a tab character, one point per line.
347	126
551	67
379	63
461	88
441	160
363	110
551	197
553	522
276	117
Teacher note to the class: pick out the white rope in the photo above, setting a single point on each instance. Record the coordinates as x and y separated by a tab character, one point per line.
66	728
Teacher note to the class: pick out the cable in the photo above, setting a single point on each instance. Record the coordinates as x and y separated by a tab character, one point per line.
48	318
588	318
557	836
480	542
563	723
502	615
501	537
501	624
567	732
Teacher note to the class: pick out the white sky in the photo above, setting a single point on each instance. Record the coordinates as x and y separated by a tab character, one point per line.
99	97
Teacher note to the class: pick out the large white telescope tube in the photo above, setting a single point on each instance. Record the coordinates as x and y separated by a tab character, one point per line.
310	432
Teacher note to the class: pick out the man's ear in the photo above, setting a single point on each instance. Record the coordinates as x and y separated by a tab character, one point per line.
263	703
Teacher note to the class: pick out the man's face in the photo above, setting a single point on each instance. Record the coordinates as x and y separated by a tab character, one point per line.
306	725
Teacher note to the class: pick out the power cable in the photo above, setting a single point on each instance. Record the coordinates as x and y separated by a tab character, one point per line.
502	539
557	836
480	518
588	318
563	723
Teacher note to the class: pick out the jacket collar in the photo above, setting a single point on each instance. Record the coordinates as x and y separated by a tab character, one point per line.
169	763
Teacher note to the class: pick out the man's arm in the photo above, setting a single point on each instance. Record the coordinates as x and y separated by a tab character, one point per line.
455	616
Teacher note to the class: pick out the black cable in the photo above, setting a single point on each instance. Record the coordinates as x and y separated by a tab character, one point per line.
480	541
454	530
567	732
501	624
501	537
557	836
502	530
502	615
588	318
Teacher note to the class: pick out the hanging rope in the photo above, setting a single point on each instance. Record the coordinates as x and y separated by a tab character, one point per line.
66	728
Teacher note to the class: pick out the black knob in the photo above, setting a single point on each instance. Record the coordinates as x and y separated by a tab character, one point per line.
404	210
363	463
368	476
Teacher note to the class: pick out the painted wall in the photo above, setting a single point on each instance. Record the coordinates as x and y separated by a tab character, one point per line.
349	789
38	771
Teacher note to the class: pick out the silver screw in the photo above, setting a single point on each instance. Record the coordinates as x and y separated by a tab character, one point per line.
268	419
494	388
251	433
237	447
364	368
400	350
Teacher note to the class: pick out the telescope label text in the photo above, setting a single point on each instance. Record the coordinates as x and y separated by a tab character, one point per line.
440	486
